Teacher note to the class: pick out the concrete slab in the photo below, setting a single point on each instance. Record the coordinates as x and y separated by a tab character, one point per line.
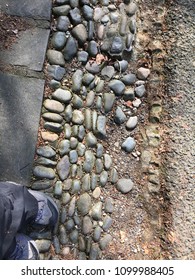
29	50
20	108
36	9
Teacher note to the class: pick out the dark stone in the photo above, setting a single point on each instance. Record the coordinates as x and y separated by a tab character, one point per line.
117	87
70	49
55	71
87	12
63	168
117	45
92	48
58	40
82	56
80	33
75	16
63	23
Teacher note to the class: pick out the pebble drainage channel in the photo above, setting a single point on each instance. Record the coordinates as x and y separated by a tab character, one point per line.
72	165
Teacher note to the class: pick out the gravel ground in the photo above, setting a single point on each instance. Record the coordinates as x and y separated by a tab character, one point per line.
179	105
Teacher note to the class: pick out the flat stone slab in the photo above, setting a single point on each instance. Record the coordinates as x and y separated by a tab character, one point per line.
28	51
20	108
36	9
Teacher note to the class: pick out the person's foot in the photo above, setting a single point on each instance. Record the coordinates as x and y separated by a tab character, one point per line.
48	212
25	249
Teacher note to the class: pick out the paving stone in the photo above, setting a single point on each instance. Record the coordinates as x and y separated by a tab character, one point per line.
17	94
37	9
29	51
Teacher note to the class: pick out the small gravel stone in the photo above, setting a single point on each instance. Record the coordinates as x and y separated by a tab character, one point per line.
143	73
103	178
53	117
109	99
96	193
129	144
77	117
61	10
99	166
62	95
73	156
100	150
140	91
53	106
70	50
97	233
109	208
117	86
43	245
91	140
74	235
93	67
67	131
63	168
75	16
84	203
71	208
104	241
107	161
80	33
108	72
77	80
63	23
132	122
53	126
90	98
86	181
82	56
101	126
107	222
46	151
120	116
87	225
57	72
94	180
129	79
136	103
53	83
129	94
89	161
113	176
58	40
63	235
58	189
81	149
96	211
55	57
92	48
125	185
44	172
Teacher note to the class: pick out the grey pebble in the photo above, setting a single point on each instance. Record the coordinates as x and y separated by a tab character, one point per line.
76	186
80	33
74	235
107	222
82	245
75	16
44	172
117	87
73	142
58	40
77	80
92	48
125	185
97	233
99	166
100	150
94	180
57	72
68	113
129	94
70	225
140	91
67	131
81	133
101	127
121	65
62	95
87	12
129	144
91	140
113	176
82	56
73	156
103	178
63	23
108	72
120	116
71	209
63	235
63	215
63	167
87	79
55	57
88	119
117	45
81	149
96	211
132	122
46	151
107	161
109	99
61	10
90	98
53	117
89	161
94	252
87	225
53	126
77	117
56	244
84	203
70	50
65	198
109	208
41	185
58	189
53	106
129	79
104	241
86	182
43	245
143	73
93	67
64	147
100	86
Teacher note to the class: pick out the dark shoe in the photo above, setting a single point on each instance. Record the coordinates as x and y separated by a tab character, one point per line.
47	210
25	249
